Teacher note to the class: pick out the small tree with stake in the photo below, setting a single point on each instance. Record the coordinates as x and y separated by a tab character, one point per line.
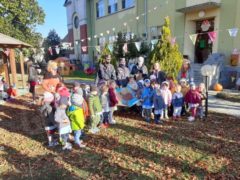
167	53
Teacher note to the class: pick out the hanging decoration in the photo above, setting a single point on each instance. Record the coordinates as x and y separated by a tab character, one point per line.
50	51
205	25
110	47
57	49
154	41
125	48
138	45
84	49
212	35
193	37
98	49
7	52
233	32
173	41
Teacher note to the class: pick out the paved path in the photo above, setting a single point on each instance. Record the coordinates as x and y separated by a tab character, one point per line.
223	106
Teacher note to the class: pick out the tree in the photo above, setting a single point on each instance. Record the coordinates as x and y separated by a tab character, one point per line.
51	41
118	46
132	50
167	53
19	18
105	52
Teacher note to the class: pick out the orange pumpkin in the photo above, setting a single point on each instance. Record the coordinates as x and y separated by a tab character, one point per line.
218	87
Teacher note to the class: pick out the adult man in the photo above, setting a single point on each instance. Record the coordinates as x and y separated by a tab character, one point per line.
106	70
122	73
140	68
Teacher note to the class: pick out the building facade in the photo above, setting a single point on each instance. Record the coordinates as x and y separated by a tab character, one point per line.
94	22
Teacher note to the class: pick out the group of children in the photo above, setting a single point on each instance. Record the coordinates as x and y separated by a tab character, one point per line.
68	112
7	93
170	98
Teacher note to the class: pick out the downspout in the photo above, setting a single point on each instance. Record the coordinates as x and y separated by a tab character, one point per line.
145	19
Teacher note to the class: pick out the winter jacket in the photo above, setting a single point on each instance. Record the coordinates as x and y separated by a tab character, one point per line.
106	72
193	97
158	102
184	90
77	100
50	82
77	119
33	74
122	75
60	116
178	99
147	97
85	109
47	111
187	75
167	96
143	70
94	104
105	102
112	97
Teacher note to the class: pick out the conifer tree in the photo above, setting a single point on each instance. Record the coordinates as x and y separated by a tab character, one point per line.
167	53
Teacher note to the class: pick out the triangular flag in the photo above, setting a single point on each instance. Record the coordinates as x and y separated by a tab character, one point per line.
173	41
84	48
154	41
193	37
233	32
125	48
138	45
7	52
50	51
57	50
98	49
110	47
212	35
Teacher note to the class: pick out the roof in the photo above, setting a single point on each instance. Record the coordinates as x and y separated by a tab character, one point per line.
199	7
67	2
9	42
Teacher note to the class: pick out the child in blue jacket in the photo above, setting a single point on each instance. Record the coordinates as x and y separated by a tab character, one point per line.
147	100
177	103
159	105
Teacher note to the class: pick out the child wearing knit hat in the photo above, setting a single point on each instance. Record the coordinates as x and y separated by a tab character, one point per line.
47	111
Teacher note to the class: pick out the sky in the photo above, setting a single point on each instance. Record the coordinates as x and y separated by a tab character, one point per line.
55	18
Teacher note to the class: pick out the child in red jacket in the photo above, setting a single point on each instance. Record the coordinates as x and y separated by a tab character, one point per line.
193	98
113	101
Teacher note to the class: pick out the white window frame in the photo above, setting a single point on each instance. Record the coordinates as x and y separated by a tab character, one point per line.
112	6
100	8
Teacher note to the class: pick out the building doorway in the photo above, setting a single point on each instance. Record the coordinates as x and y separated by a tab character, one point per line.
203	46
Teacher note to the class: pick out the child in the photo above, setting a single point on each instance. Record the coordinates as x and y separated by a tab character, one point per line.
193	98
202	91
113	101
184	89
95	108
47	111
147	100
63	122
167	97
159	105
86	90
12	92
105	106
177	103
132	84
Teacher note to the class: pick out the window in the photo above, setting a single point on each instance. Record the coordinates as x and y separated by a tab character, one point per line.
76	22
156	32
128	3
112	6
100	8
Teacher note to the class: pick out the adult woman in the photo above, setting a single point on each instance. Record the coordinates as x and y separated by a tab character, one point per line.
51	77
32	79
186	71
122	73
140	68
160	75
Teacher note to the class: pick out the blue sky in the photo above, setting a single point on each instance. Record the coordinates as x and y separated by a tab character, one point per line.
56	17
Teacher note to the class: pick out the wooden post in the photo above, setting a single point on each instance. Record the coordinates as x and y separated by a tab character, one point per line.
13	66
22	69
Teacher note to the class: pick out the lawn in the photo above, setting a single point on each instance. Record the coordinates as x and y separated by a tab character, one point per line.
131	149
80	75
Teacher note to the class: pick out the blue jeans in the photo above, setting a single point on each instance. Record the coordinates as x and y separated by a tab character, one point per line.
64	138
77	135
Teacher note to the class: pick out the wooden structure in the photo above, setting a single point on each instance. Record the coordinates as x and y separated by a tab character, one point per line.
8	44
66	68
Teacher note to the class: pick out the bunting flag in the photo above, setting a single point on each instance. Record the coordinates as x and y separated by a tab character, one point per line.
50	51
212	35
110	47
138	45
84	49
233	32
125	48
154	41
98	49
7	52
57	49
193	37
173	41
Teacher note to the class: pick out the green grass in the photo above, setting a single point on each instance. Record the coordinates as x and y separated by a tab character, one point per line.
131	149
80	75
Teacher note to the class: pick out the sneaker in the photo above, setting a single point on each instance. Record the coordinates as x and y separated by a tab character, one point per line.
52	144
191	119
67	146
112	122
92	131
81	145
104	126
96	129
